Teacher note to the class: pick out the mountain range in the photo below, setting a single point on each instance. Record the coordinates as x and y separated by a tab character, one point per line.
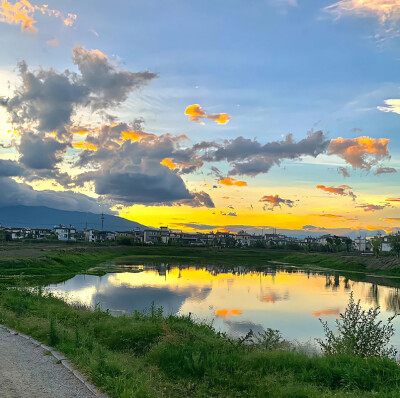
45	217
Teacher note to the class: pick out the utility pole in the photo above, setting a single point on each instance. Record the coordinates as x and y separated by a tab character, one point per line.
102	221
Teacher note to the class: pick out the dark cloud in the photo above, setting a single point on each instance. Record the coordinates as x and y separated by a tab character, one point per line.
140	187
107	85
45	98
40	153
9	168
273	201
250	157
385	170
13	193
371	207
200	199
343	171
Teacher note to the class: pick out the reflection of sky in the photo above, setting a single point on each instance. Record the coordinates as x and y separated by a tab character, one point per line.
290	302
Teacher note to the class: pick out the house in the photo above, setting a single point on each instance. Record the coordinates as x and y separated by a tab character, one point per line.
65	233
361	244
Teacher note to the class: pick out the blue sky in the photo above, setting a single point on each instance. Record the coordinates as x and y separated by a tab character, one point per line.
276	67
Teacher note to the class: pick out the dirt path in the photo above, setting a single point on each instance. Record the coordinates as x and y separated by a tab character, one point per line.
27	372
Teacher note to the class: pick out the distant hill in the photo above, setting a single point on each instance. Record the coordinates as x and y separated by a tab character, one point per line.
45	217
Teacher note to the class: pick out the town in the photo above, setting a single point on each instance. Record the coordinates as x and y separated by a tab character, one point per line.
166	236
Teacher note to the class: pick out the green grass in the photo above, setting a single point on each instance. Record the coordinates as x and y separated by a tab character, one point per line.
148	355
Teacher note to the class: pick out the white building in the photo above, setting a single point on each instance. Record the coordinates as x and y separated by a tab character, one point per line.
65	233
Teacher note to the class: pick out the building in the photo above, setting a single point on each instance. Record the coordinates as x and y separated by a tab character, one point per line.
65	233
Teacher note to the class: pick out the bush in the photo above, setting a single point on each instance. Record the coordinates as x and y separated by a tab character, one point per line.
360	333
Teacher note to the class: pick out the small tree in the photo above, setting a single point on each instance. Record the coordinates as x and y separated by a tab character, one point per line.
394	241
359	333
376	246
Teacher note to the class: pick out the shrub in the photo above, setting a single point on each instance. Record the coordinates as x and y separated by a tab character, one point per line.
360	333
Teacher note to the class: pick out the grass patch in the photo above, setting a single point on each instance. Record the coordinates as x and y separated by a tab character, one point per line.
148	355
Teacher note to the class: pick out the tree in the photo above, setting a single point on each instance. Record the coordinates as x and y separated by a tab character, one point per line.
376	246
348	242
394	242
359	333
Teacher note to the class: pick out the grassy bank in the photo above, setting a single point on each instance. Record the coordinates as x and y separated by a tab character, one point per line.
65	259
59	259
152	356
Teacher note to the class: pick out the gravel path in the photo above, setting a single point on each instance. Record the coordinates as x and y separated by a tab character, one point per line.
26	372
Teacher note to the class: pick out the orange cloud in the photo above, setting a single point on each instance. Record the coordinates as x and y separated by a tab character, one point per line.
196	113
80	132
392	220
393	200
343	190
169	163
86	145
21	13
360	152
135	136
220	118
384	10
276	201
232	181
226	313
329	311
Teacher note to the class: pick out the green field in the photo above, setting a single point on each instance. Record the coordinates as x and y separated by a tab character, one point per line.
147	355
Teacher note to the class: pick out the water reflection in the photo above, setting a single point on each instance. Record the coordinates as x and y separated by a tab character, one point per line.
235	299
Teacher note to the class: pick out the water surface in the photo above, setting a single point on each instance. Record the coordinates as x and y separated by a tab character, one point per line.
236	299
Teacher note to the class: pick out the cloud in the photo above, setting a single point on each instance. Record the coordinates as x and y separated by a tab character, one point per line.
108	86
334	216
392	220
86	145
371	207
228	181
343	171
226	313
384	10
393	105
313	228
342	190
22	13
46	99
200	199
13	193
9	168
385	170
136	171
230	214
276	201
40	153
167	162
250	157
196	114
360	152
139	185
393	200
53	42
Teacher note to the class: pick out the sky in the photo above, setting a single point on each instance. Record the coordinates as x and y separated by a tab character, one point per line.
229	115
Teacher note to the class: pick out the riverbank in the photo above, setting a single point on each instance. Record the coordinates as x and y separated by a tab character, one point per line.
58	259
147	355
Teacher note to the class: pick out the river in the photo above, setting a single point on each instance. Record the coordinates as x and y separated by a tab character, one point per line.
237	299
